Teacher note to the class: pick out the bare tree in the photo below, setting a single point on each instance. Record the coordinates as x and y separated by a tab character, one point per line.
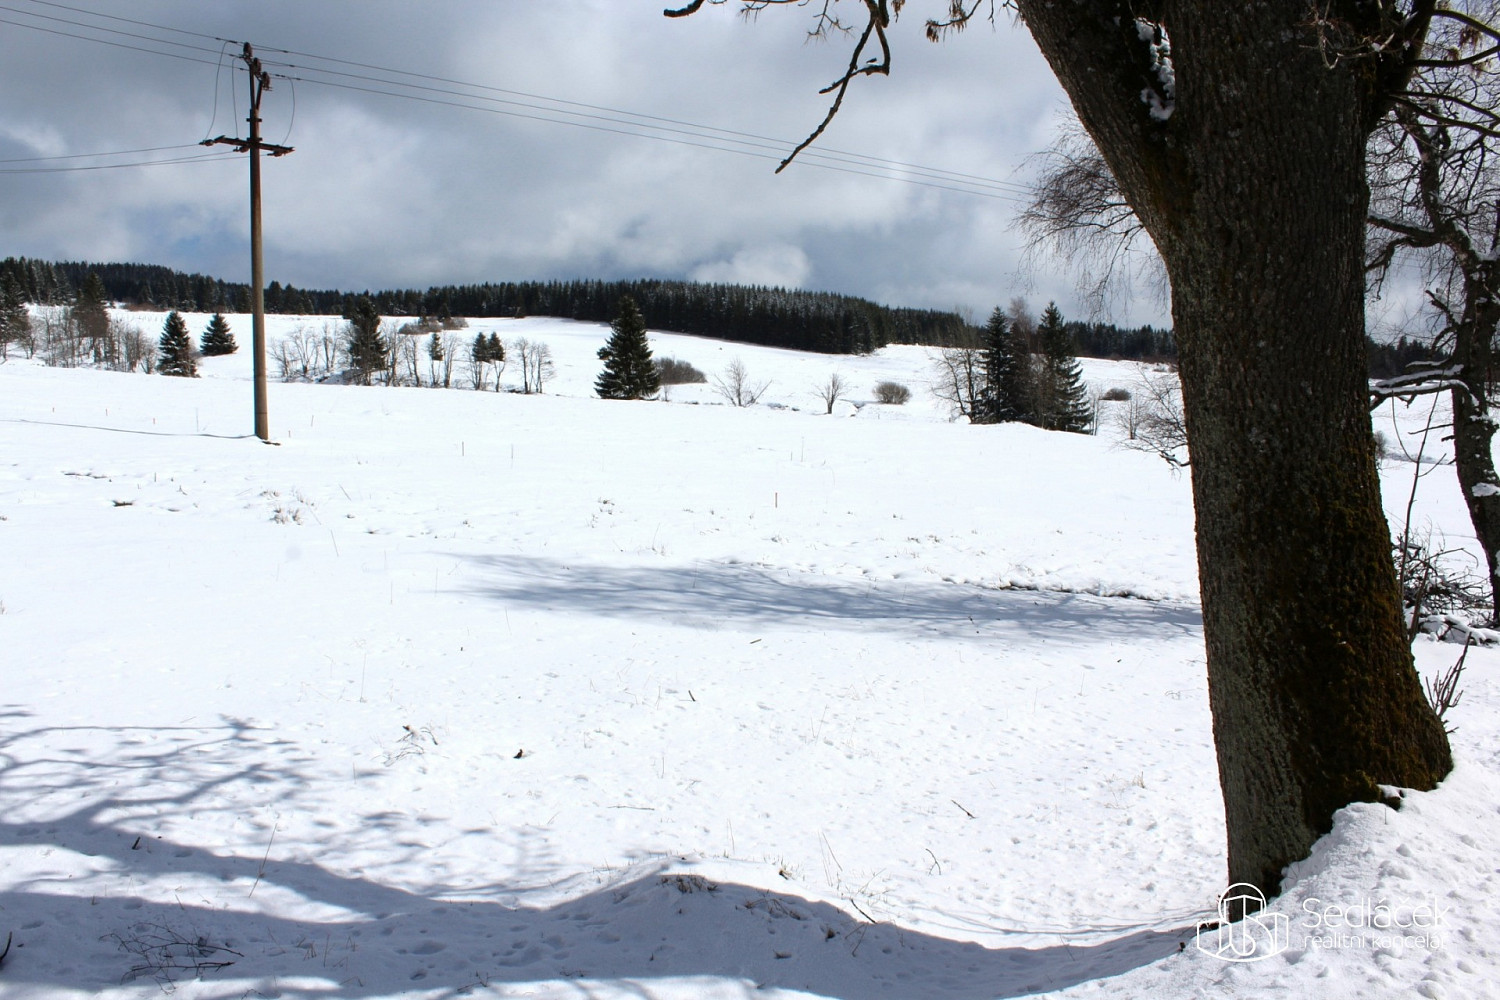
477	367
831	391
1152	417
405	356
136	349
443	352
735	385
536	363
1436	198
1078	212
958	379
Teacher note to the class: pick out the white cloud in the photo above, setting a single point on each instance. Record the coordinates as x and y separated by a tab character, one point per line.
781	266
388	192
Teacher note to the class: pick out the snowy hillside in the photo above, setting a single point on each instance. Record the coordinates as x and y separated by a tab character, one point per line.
493	694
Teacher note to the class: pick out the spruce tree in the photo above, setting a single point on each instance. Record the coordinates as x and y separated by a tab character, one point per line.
217	339
629	371
15	321
1065	404
175	349
1007	371
91	319
367	349
494	353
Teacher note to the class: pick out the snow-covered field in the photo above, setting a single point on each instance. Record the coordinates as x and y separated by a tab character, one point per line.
505	695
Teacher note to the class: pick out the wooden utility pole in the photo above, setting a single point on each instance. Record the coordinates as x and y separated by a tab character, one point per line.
260	82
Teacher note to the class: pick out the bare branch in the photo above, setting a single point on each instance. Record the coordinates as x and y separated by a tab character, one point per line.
876	26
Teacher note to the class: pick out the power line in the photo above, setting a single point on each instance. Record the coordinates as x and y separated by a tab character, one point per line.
102	41
777	143
773	157
554	111
127	20
116	152
95	27
115	166
826	158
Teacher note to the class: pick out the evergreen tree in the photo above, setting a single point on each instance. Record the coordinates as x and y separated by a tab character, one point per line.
629	371
494	353
91	317
15	321
1007	371
366	348
175	349
216	337
1063	396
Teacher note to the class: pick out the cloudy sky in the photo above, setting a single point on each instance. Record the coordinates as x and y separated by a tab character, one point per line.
393	185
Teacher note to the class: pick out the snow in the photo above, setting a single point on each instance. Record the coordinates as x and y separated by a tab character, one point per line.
503	695
1161	98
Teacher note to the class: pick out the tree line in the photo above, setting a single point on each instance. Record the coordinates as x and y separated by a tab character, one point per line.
822	322
773	317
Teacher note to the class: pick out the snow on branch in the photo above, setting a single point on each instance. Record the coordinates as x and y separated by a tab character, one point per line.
1422	382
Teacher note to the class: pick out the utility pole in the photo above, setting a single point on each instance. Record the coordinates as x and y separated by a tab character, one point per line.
260	82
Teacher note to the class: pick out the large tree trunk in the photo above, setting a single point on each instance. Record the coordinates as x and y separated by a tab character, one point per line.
1249	175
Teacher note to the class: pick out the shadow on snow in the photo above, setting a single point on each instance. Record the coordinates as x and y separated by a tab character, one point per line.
714	594
171	911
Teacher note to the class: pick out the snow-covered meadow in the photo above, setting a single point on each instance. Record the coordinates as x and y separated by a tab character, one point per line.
491	694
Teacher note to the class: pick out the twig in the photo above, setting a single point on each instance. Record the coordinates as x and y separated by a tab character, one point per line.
260	874
962	809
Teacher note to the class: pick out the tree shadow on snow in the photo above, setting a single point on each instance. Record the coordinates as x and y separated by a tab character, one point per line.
709	595
155	911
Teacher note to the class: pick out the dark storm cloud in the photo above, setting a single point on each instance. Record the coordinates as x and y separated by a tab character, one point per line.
385	191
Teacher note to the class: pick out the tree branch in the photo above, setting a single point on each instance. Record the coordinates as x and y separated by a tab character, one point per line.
879	20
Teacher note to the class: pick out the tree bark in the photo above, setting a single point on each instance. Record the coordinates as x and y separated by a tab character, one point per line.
1473	424
1246	165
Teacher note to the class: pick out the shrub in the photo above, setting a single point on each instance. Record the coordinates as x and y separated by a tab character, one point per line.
673	371
735	385
1116	395
892	393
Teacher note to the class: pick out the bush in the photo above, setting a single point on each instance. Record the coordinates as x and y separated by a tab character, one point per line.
676	372
892	393
735	385
1116	395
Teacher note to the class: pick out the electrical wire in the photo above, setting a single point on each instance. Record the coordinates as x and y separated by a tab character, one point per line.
127	20
779	144
438	90
775	157
116	152
218	76
113	31
826	158
200	158
102	41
